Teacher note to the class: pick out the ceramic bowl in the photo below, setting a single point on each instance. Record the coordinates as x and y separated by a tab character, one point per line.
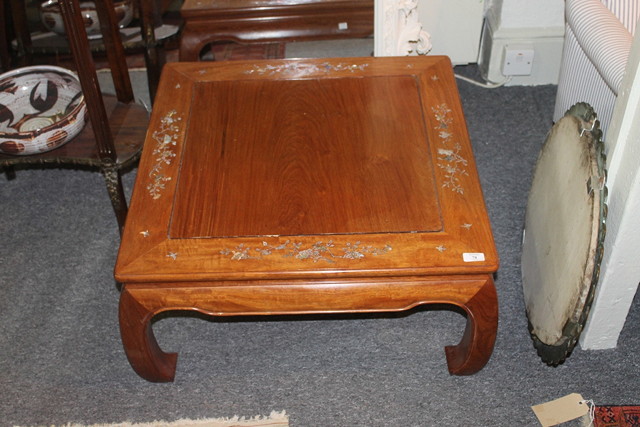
41	108
51	16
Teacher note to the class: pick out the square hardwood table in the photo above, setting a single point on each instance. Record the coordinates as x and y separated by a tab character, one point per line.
307	186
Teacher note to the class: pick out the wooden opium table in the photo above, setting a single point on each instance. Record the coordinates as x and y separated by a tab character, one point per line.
260	21
307	186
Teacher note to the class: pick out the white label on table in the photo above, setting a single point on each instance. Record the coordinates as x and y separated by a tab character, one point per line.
473	256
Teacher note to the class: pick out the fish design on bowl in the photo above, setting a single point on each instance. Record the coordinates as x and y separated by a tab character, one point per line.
41	108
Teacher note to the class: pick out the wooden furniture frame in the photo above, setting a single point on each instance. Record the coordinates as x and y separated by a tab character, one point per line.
113	139
151	46
5	55
307	186
13	18
207	21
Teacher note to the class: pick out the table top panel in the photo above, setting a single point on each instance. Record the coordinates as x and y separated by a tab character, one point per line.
421	211
306	157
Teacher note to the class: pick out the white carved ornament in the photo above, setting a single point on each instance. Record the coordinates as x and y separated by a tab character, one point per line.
401	31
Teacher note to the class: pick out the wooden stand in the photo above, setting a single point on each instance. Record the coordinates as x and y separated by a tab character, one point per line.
114	139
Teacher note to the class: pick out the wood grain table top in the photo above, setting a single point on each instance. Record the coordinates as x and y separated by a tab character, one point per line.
306	168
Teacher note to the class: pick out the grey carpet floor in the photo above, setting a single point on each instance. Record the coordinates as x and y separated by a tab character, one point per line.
61	359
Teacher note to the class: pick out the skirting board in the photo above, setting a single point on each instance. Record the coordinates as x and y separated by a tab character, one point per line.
546	42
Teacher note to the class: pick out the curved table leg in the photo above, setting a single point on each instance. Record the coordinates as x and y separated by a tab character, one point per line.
191	46
140	345
476	345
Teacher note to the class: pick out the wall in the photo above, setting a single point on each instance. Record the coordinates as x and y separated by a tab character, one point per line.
454	26
620	270
523	23
476	31
531	14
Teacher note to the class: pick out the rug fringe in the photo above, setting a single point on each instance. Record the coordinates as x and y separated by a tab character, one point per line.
275	419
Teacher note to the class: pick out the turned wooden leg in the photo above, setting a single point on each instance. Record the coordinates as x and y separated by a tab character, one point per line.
9	172
140	345
476	345
112	178
5	55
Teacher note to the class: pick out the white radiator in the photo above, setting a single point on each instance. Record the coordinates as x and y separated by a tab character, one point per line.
596	48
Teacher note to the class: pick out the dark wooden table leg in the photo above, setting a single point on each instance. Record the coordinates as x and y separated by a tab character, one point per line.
154	54
190	46
476	345
9	172
115	189
22	32
140	345
5	38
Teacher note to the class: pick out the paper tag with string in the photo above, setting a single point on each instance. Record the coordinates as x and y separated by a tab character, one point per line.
567	408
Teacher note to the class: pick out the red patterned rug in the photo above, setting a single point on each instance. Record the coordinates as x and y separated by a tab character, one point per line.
617	416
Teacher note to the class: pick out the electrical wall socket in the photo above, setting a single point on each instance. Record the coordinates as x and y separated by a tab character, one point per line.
518	60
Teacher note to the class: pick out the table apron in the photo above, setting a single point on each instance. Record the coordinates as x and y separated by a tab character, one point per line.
322	296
